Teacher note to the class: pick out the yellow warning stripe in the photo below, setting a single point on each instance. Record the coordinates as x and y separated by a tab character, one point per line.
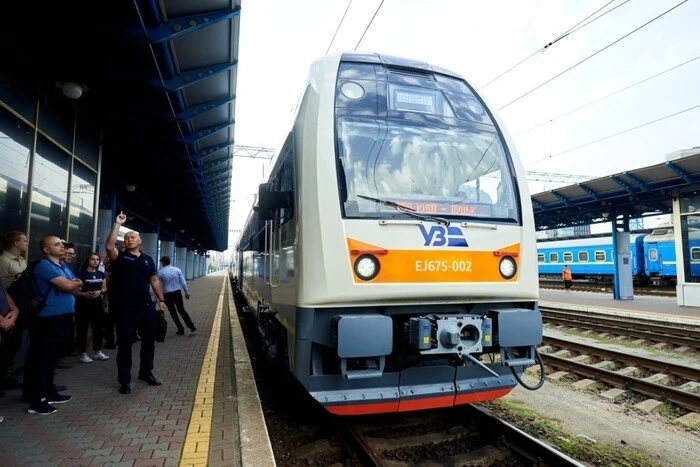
196	448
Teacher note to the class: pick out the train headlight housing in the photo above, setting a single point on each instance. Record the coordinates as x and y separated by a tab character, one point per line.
366	267
507	267
352	90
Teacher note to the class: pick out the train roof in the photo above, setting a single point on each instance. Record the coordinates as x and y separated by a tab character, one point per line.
392	61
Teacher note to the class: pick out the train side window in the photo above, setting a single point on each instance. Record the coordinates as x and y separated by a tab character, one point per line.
653	254
540	257
286	183
554	257
582	256
568	257
600	255
695	253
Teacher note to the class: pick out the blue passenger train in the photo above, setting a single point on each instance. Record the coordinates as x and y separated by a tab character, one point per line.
653	258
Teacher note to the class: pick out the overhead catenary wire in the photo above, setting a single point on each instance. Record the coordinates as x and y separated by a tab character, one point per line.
368	25
569	112
592	55
338	28
561	36
614	135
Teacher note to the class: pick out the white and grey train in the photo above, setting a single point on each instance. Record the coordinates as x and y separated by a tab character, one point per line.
391	260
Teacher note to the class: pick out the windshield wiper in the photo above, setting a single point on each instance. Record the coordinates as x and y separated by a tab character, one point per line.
410	211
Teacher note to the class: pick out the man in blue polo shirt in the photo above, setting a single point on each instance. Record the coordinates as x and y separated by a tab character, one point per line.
132	274
46	331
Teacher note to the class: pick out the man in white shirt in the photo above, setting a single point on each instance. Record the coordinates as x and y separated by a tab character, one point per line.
172	280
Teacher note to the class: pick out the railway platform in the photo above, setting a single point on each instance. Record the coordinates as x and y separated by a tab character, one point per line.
661	308
206	412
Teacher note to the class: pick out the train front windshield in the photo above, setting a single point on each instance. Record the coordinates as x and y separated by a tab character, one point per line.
423	157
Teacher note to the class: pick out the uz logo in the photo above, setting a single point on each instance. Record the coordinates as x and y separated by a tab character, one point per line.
443	236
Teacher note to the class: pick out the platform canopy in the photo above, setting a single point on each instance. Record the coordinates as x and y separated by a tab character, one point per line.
159	77
637	193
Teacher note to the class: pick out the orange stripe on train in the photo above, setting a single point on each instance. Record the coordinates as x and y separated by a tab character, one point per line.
434	265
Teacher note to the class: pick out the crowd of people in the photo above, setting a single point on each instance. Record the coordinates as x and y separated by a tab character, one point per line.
121	291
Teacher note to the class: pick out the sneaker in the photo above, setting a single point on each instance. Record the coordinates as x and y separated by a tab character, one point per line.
101	356
41	408
85	359
58	398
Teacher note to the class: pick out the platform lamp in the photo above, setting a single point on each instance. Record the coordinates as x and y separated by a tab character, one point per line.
72	90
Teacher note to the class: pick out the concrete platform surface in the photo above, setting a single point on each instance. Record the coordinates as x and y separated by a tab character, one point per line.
660	308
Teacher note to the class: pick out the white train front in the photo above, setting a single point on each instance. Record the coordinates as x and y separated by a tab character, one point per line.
391	259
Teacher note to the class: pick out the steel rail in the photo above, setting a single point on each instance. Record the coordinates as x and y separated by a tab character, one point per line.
538	452
674	369
666	326
368	454
664	393
653	332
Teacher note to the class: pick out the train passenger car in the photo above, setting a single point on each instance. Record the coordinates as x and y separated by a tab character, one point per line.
391	255
660	253
660	256
588	258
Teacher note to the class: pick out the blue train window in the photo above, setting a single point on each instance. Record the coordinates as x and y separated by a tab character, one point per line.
540	258
554	257
568	257
695	253
653	255
583	256
600	256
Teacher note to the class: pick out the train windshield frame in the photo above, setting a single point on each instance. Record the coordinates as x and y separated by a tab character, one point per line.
458	172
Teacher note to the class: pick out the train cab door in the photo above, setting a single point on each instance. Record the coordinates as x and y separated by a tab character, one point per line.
279	211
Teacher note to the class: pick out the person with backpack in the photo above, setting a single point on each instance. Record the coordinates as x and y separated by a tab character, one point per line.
8	317
12	264
54	289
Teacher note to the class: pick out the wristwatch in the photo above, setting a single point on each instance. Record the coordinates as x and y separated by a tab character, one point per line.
161	301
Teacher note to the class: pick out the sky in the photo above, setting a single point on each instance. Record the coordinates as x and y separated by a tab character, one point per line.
479	40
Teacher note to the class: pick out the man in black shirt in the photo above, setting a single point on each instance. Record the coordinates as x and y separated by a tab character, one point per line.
132	274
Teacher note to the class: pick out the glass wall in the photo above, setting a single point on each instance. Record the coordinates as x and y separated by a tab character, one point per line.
81	214
49	193
48	175
16	140
690	232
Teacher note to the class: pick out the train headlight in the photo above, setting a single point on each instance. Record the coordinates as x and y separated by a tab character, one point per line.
507	267
366	267
352	90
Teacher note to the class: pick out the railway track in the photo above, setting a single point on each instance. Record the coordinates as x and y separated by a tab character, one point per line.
659	380
639	328
458	436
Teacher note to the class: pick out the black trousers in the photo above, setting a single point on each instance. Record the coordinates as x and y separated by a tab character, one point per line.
46	336
10	343
108	324
173	300
89	312
128	320
67	346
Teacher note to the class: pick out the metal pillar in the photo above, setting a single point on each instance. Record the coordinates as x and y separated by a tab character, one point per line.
623	286
189	270
181	259
149	245
167	248
105	221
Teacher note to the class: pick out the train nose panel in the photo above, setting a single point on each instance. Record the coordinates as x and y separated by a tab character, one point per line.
448	386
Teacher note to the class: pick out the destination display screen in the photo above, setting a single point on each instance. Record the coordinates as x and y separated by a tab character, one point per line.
441	207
